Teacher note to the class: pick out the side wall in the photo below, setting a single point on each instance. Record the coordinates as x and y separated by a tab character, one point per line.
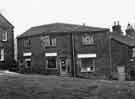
8	47
120	54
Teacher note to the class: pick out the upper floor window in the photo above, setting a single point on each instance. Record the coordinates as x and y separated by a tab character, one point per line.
87	39
27	43
48	41
53	42
1	54
4	36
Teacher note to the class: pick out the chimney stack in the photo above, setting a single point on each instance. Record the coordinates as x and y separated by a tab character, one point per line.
116	27
130	30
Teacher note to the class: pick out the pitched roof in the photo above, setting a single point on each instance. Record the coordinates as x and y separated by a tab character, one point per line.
4	21
59	28
127	40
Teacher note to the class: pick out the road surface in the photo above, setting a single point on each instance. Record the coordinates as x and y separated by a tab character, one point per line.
20	86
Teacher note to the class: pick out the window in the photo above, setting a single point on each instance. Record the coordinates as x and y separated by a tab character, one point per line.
28	62
51	62
87	65
4	36
27	43
87	39
48	41
2	55
45	41
133	54
53	42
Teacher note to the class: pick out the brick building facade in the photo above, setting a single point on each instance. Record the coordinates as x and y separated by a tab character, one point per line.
6	43
65	49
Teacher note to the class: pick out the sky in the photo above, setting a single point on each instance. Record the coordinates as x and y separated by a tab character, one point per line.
24	14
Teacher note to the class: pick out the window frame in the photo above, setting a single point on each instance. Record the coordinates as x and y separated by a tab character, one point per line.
4	36
91	37
52	42
49	42
27	43
93	65
28	60
47	62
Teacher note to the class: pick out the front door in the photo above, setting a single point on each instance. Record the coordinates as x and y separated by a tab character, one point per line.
63	66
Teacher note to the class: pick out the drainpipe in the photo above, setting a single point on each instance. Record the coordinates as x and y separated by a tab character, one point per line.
110	53
73	55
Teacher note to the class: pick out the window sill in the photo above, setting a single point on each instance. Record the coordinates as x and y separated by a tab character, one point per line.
89	44
4	40
27	47
50	47
51	68
87	71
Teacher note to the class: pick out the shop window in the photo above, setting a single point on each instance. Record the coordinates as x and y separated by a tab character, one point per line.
27	43
51	62
4	36
87	65
2	55
87	39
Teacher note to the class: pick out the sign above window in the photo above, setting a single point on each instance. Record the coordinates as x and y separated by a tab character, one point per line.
86	55
50	54
27	54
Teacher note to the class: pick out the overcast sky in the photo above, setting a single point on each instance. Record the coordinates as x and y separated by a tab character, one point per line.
101	13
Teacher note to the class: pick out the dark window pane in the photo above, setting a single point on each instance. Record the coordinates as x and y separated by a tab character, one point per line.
28	63
27	43
52	62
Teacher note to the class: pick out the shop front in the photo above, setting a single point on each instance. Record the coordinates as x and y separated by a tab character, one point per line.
51	66
85	64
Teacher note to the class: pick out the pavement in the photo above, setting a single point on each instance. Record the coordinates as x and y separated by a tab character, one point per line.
32	86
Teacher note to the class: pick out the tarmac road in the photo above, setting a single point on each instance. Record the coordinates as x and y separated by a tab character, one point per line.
20	86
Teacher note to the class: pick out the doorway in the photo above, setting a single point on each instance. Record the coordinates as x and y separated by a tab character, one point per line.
63	66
